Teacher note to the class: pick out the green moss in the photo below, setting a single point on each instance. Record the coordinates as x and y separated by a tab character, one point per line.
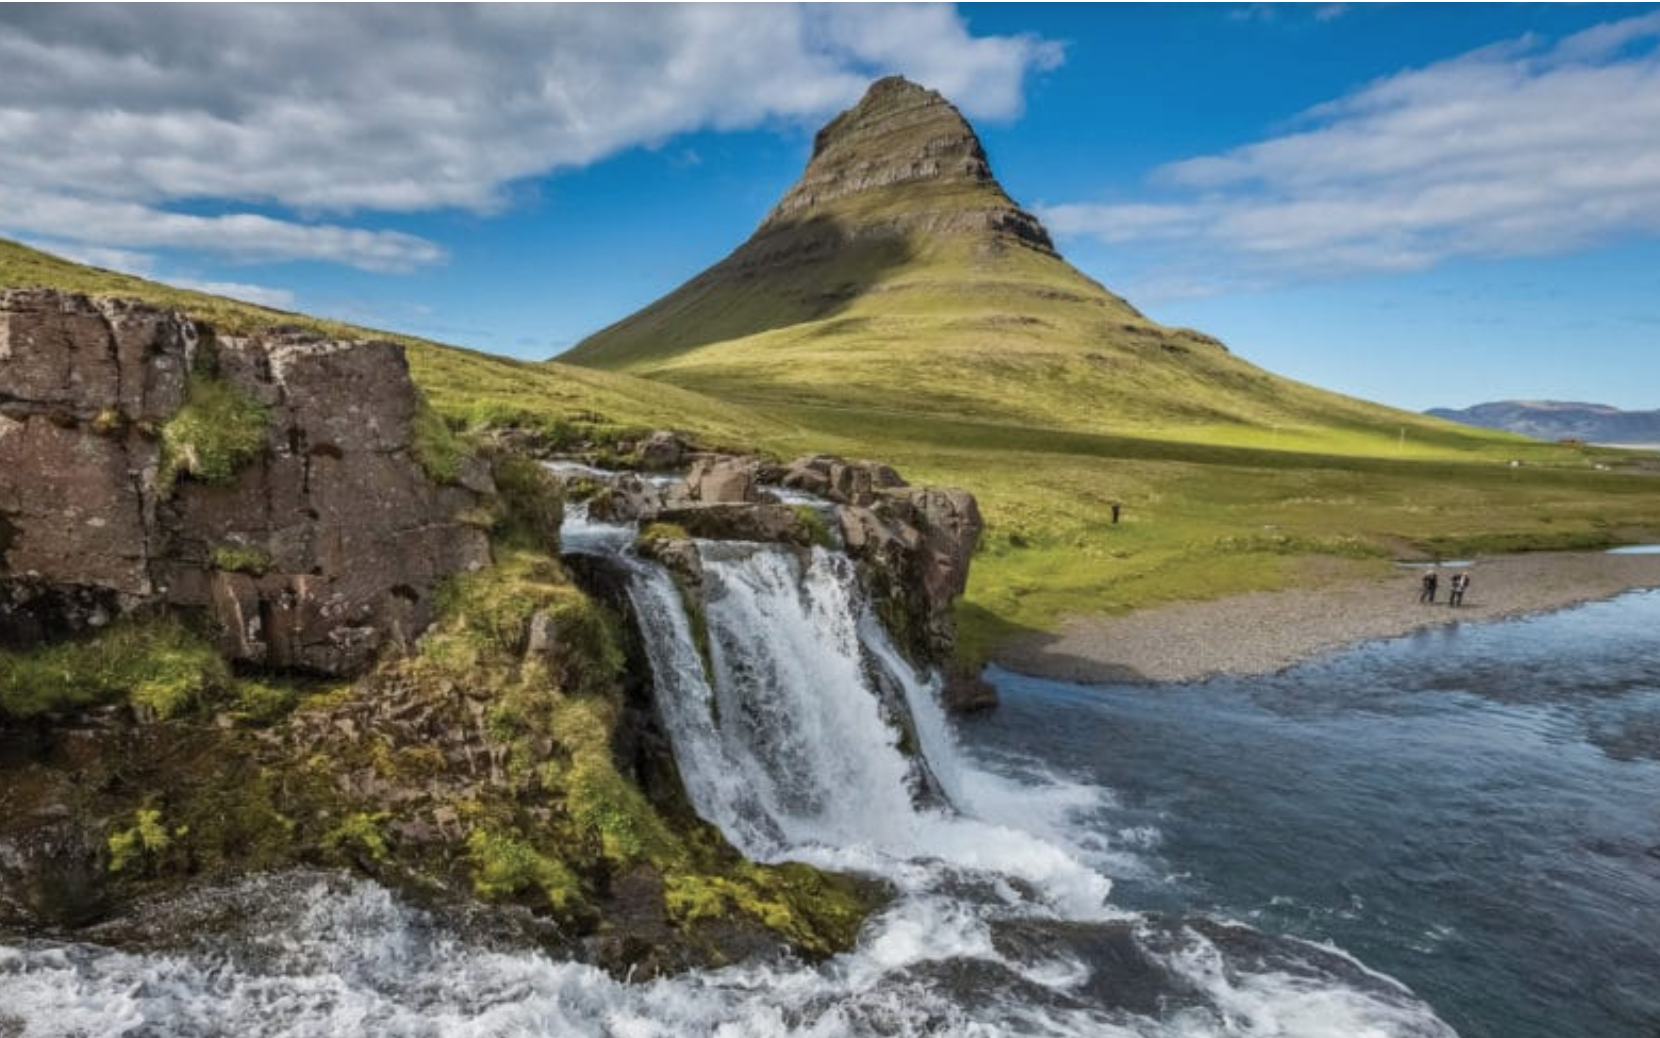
660	531
613	809
157	664
437	448
241	558
812	523
531	508
484	620
506	867
142	843
219	430
268	698
362	833
818	913
239	817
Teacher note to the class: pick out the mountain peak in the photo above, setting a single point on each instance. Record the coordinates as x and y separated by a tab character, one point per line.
908	147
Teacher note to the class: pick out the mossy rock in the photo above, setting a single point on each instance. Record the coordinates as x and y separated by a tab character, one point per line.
219	431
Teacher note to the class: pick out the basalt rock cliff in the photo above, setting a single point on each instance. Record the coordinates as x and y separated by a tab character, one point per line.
320	548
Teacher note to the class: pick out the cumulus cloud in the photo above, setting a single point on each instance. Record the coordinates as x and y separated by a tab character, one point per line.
114	119
1515	149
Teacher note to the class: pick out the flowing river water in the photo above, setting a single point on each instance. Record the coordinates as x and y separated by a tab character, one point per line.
1454	833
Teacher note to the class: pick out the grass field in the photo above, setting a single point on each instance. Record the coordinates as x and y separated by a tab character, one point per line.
1203	521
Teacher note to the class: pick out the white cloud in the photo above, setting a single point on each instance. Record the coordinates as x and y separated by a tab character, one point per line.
261	295
1516	149
113	119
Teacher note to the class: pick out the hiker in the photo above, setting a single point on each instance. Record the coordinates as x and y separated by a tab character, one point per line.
1115	508
1430	581
1460	584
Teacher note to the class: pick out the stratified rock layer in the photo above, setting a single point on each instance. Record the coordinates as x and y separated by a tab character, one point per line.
901	133
350	532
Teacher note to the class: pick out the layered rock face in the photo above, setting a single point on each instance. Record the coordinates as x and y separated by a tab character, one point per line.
321	550
900	133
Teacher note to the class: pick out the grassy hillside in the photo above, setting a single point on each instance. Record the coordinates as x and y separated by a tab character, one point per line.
1204	521
1200	519
1026	340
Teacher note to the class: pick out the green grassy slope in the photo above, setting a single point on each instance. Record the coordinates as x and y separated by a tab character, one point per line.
899	276
1204	521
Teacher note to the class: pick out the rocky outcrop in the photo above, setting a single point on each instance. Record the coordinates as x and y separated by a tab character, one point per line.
845	483
319	550
780	524
913	545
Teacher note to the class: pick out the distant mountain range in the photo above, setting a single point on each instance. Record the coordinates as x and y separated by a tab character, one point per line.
1560	420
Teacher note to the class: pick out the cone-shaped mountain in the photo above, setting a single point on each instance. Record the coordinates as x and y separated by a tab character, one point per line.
897	274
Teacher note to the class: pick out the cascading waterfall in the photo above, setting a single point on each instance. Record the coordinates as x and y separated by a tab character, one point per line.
784	741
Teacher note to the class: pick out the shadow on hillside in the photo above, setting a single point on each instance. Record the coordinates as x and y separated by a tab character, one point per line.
782	276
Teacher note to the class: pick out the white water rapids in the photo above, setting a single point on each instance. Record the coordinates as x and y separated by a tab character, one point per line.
1001	910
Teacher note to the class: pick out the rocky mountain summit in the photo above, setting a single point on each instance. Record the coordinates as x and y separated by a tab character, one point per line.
901	133
897	177
270	482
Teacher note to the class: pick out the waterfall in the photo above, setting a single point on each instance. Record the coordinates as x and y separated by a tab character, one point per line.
802	733
788	746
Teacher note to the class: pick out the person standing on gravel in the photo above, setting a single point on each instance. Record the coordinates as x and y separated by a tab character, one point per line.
1455	593
1431	579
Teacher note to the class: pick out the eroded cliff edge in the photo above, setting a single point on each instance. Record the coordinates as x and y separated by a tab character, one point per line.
273	483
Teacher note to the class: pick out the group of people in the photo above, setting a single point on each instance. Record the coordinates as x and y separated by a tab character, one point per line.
1457	585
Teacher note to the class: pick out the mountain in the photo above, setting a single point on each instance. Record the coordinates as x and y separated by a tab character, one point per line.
1560	420
897	275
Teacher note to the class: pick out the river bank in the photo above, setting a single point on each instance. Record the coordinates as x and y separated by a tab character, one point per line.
1264	632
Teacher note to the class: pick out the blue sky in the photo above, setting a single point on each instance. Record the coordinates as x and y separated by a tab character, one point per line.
1419	204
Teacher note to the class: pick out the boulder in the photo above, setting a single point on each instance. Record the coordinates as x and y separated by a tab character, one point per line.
718	479
913	546
662	450
626	498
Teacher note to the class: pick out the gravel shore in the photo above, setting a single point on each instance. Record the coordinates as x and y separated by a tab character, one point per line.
1267	631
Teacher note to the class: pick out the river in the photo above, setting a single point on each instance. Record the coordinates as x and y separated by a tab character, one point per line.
1452	833
1473	810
